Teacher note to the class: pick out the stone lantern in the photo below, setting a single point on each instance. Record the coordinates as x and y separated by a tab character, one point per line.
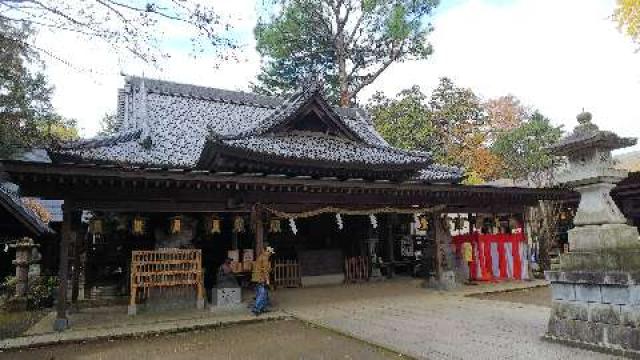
22	262
596	292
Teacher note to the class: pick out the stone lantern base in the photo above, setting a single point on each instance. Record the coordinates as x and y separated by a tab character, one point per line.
600	309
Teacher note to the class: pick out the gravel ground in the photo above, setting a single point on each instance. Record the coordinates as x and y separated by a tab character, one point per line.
540	296
283	339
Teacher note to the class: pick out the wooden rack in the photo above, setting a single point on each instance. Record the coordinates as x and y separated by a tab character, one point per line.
356	268
286	273
167	270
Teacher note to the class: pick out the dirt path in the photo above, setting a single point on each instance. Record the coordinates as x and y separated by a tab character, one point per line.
285	339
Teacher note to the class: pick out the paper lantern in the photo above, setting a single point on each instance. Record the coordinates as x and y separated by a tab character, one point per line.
96	226
238	224
423	223
274	226
216	226
138	225
175	225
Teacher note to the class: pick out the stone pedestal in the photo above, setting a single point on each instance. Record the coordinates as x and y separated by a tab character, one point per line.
230	296
447	281
596	293
596	308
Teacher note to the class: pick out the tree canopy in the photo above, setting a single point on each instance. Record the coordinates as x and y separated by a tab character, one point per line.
405	121
135	27
26	115
523	150
349	42
627	15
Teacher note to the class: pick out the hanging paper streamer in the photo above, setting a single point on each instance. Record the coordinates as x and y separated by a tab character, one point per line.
292	225
374	221
339	221
6	248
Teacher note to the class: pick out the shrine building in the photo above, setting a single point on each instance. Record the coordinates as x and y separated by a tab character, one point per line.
195	175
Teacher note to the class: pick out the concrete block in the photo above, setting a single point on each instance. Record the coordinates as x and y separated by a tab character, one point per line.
561	291
586	277
615	294
560	328
618	336
634	295
588	332
605	313
570	310
630	315
617	278
554	276
588	293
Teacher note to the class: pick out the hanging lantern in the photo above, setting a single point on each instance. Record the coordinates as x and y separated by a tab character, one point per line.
175	225
292	225
96	226
374	221
339	221
423	223
274	226
138	225
215	225
238	224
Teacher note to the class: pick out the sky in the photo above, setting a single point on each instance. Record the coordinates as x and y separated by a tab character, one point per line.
558	56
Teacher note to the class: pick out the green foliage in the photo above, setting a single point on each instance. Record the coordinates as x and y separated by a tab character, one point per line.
349	43
451	124
523	150
40	290
26	115
406	121
108	125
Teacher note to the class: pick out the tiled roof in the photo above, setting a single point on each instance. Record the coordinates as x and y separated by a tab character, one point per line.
331	149
436	173
166	124
11	202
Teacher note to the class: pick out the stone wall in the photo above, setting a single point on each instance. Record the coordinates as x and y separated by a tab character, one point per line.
596	308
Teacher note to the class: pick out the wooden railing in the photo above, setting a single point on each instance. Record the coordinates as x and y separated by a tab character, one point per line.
167	271
356	268
286	273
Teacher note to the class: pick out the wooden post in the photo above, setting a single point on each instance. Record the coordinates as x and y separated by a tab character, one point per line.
78	245
62	322
391	221
437	222
256	218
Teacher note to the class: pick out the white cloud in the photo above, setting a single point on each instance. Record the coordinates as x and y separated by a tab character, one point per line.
88	90
558	56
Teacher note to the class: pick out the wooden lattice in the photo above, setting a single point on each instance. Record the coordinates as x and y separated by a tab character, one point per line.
166	270
286	273
356	268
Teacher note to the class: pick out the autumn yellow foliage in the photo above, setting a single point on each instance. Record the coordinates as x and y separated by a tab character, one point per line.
627	14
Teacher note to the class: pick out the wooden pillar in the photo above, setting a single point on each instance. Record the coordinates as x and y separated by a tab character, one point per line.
78	246
258	228
391	221
62	322
437	228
